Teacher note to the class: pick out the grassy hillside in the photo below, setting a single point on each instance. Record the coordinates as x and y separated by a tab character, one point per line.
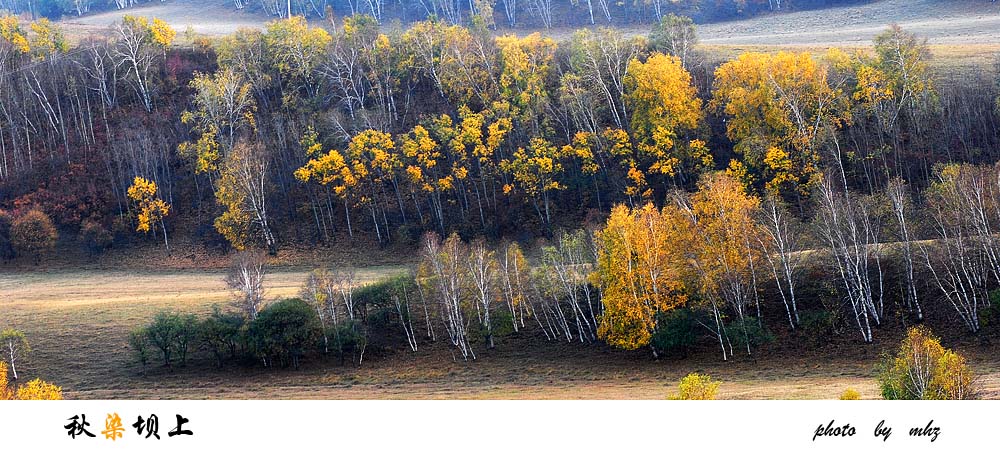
951	22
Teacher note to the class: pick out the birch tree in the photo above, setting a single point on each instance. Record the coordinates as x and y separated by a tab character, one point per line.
958	259
641	271
344	282
602	60
246	279
15	346
152	209
726	257
242	190
780	242
779	109
138	43
675	35
315	292
447	276
851	227
515	274
482	269
568	264
899	196
223	103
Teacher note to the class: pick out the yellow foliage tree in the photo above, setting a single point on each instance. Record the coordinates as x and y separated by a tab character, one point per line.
725	249
535	171
11	31
241	188
640	267
581	150
524	66
461	63
895	81
152	209
376	162
36	389
664	107
48	38
619	146
161	33
296	51
425	168
204	152
223	103
358	175
779	108
923	369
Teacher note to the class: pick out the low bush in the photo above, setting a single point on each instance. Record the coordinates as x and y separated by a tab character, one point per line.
850	394
6	248
138	340
382	294
94	237
748	334
818	324
33	233
696	386
347	337
990	315
172	334
676	332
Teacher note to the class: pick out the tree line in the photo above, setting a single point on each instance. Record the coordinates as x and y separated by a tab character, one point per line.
719	263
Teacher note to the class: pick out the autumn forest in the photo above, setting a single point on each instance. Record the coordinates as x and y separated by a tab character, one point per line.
638	193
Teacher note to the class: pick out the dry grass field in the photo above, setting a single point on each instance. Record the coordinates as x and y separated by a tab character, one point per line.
969	22
78	322
953	22
206	17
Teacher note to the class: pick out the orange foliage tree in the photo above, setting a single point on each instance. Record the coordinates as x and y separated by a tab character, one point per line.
640	268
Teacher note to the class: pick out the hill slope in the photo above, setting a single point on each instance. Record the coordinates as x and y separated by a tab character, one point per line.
942	22
204	17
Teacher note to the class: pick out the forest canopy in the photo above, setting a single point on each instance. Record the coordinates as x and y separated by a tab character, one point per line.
700	185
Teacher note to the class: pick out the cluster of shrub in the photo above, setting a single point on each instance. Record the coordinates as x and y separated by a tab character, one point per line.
32	232
279	336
